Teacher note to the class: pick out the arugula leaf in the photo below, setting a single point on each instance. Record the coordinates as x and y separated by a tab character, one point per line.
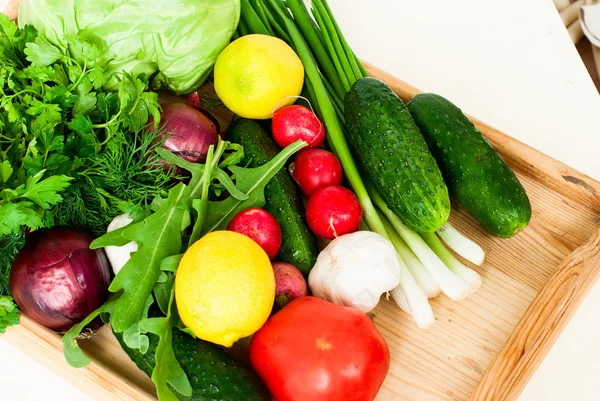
135	336
73	354
168	371
9	313
158	236
252	182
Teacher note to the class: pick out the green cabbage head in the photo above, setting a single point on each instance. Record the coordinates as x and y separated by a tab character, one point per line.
177	39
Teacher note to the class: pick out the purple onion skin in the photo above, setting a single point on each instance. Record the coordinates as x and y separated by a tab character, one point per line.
190	131
57	280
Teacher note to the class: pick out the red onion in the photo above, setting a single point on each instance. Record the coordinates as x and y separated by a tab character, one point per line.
57	280
190	131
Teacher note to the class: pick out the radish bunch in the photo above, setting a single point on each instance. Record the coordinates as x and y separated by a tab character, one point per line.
332	210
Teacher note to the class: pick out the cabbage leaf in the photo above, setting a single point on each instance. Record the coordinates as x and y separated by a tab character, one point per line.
176	41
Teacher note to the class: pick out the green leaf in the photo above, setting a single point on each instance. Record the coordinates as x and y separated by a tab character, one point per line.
13	216
170	263
85	104
162	292
167	372
135	336
96	76
224	179
85	45
45	192
6	171
9	313
42	52
73	354
158	236
252	182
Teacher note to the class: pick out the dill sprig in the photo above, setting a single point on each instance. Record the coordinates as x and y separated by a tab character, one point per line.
10	245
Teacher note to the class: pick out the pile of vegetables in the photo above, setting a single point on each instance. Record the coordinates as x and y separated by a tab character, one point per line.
96	175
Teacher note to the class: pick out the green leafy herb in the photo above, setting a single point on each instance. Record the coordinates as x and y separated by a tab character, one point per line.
10	245
168	371
251	182
9	313
73	354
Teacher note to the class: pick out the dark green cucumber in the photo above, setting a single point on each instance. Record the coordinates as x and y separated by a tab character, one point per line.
299	246
213	374
394	157
476	175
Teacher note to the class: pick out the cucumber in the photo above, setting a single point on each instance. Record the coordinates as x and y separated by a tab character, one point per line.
283	201
213	374
394	157
477	177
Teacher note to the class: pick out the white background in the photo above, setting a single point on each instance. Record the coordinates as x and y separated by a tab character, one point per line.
511	64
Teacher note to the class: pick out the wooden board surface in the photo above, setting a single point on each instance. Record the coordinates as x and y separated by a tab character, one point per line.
484	348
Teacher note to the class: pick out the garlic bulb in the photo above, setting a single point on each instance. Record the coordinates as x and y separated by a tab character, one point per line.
119	255
355	269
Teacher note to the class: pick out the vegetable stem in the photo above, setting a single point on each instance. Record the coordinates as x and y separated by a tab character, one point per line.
468	275
461	244
335	40
336	60
414	265
452	285
249	15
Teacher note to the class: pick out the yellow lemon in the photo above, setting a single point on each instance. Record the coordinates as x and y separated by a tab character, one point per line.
225	287
256	74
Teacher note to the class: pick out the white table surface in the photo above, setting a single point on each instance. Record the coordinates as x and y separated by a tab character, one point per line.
511	64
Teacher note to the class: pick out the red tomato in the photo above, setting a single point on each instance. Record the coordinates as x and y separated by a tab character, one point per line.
333	211
261	227
316	168
313	350
297	122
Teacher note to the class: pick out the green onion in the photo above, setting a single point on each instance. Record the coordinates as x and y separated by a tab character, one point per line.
315	39
243	28
336	59
461	244
260	12
468	275
452	285
329	30
251	18
359	71
409	295
416	268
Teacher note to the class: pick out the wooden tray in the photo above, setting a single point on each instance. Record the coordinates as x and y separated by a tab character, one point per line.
483	348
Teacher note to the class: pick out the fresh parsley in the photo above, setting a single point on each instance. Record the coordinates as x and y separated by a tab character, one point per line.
9	313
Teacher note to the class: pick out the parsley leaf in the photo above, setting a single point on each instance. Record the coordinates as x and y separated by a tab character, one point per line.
45	192
9	313
42	53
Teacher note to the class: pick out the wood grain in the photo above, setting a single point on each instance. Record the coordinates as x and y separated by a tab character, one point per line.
547	316
483	348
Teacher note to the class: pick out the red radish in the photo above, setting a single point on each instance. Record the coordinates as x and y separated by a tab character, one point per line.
289	283
333	211
315	169
261	227
297	122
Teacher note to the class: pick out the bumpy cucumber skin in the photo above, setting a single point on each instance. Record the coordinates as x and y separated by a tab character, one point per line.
394	157
477	177
283	201
213	374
